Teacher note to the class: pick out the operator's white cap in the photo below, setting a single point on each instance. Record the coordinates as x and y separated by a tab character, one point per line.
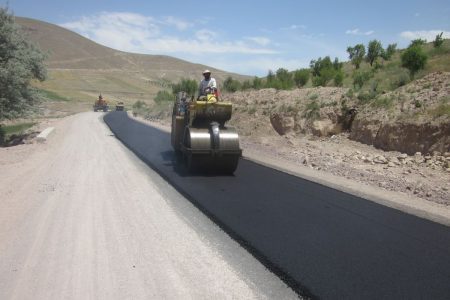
206	72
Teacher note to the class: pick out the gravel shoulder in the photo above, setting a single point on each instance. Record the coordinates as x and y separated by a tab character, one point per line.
83	218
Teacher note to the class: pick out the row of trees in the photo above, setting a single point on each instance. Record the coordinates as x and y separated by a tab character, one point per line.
357	53
324	71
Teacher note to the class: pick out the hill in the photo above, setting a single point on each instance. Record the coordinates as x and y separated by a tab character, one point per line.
80	69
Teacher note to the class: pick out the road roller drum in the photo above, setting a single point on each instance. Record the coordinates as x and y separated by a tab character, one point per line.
200	136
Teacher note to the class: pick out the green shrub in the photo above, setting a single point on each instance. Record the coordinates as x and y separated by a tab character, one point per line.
383	102
312	110
401	80
313	96
189	86
339	78
438	41
360	78
231	85
163	96
366	96
20	62
417	104
301	77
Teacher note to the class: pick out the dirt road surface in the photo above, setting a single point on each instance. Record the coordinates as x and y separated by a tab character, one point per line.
82	218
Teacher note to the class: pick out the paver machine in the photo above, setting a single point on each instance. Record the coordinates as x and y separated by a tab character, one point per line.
200	137
101	104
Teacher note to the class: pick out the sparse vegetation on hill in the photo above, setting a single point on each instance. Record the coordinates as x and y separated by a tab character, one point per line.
80	69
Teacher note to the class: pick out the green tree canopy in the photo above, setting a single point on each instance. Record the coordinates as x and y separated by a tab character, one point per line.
285	79
257	83
20	62
231	85
417	42
301	77
356	54
323	70
374	50
414	59
390	50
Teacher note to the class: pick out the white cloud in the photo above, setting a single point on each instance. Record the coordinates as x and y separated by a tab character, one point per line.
428	35
178	23
294	27
137	33
260	40
205	35
356	31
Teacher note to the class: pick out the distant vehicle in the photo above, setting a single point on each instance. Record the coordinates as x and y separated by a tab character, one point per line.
101	104
200	136
120	106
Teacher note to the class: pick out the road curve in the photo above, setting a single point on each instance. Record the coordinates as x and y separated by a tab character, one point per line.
322	242
82	218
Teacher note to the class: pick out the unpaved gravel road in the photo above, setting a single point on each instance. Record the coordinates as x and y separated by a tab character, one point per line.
82	218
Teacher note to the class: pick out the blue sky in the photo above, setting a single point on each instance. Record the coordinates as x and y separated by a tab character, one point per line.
246	37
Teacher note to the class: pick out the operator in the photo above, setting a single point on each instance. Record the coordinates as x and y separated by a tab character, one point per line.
207	83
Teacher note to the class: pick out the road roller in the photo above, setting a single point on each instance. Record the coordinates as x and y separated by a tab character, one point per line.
200	137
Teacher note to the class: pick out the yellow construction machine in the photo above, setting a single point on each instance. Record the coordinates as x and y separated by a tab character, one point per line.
200	137
101	104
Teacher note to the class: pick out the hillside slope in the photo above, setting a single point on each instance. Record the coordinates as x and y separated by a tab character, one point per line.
80	69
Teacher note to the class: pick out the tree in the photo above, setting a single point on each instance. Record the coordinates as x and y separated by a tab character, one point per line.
374	50
339	78
190	86
414	59
356	54
270	79
417	42
285	79
231	85
257	83
390	50
20	62
301	77
438	41
246	85
323	70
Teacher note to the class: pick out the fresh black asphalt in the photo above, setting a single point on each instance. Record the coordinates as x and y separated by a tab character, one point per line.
322	242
